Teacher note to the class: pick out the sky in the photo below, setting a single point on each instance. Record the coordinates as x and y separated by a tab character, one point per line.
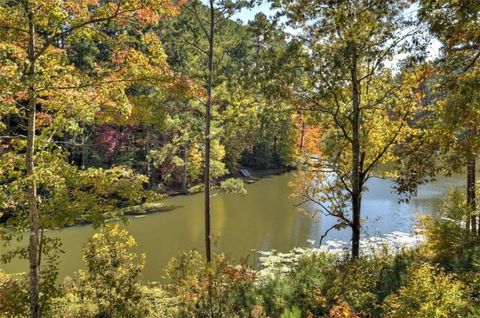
249	14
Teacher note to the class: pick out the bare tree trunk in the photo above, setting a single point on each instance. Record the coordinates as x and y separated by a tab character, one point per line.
84	149
185	169
208	247
356	164
471	200
147	151
302	136
34	241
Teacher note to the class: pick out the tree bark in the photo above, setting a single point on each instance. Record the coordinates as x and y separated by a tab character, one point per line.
185	169
302	136
147	152
208	109
34	240
471	199
356	164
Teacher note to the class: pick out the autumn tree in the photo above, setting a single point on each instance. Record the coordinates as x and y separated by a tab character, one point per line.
362	105
270	71
455	24
111	280
45	97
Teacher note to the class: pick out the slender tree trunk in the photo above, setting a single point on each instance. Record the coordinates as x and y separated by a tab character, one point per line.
185	169
84	149
208	247
302	136
34	242
147	151
356	164
471	200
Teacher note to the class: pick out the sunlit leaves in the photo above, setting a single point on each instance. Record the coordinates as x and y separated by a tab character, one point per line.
73	90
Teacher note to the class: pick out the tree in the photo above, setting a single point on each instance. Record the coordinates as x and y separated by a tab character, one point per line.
455	24
112	276
204	24
44	91
362	106
459	119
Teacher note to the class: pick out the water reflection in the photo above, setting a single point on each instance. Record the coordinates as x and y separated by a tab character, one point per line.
264	219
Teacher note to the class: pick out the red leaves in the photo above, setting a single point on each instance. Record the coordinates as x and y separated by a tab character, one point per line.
107	140
146	17
43	119
120	56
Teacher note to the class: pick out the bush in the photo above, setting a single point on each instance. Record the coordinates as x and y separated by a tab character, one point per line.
111	279
429	292
293	312
71	305
323	285
448	242
215	289
13	296
276	295
157	303
355	283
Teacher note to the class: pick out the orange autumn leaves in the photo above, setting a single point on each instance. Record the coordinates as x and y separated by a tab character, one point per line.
144	12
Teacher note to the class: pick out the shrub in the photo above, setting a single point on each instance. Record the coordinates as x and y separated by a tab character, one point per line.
276	294
111	279
355	283
293	312
309	279
429	292
363	284
13	296
447	241
321	285
71	305
342	310
215	289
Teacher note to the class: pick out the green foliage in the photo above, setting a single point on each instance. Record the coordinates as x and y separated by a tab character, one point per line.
13	296
215	289
110	286
429	292
319	285
276	295
293	312
322	285
68	194
71	304
447	241
309	281
113	269
158	303
233	185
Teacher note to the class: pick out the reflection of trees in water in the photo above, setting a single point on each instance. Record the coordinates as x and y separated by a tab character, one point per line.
263	219
383	213
427	206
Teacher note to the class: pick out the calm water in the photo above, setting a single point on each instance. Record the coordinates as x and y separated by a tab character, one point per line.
264	219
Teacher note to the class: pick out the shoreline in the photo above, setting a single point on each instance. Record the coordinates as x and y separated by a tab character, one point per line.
142	210
157	207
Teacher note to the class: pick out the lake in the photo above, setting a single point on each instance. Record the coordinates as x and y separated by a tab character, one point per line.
264	219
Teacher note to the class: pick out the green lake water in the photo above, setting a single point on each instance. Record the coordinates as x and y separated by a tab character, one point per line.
264	219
